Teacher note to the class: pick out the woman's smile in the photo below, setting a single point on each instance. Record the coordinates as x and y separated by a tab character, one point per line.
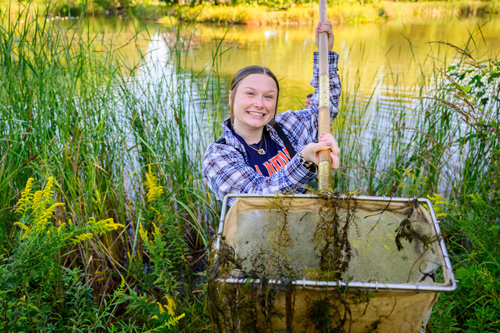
258	114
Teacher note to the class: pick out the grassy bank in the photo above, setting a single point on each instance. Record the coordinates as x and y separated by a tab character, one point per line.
261	14
104	215
342	13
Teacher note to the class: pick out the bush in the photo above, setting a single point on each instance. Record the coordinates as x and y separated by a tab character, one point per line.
472	91
36	289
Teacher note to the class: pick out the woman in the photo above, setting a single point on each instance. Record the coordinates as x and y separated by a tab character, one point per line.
256	152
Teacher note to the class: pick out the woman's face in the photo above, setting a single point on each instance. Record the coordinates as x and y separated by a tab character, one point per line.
254	103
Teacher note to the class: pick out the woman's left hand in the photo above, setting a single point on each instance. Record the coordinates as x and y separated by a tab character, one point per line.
326	142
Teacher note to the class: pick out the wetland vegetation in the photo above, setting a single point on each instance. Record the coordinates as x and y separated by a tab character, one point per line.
105	219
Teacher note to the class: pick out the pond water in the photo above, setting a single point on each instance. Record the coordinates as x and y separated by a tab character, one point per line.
378	61
374	58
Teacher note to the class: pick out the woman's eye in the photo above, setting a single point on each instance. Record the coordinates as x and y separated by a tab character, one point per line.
250	93
270	97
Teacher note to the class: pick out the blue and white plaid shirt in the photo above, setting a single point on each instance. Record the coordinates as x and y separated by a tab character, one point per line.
225	166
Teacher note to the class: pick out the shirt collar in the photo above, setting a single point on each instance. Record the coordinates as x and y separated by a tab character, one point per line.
231	140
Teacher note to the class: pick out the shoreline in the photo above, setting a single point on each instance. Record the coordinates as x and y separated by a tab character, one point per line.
375	12
343	13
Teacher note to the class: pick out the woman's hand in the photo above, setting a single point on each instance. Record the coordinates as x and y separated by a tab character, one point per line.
325	27
311	151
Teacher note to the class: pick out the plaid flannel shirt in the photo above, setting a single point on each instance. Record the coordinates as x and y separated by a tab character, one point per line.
225	166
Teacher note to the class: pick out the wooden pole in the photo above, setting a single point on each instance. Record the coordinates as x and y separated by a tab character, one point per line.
324	167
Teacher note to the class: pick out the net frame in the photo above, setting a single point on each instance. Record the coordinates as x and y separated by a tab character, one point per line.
449	283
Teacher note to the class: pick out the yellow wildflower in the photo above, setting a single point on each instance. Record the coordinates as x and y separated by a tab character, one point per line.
60	227
170	306
155	190
22	225
82	237
439	204
26	197
104	225
47	194
162	310
143	233
170	302
156	233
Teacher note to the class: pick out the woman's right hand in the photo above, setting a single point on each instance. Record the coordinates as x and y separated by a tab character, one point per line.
311	151
325	27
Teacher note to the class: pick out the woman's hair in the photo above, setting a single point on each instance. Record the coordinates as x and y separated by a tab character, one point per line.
243	73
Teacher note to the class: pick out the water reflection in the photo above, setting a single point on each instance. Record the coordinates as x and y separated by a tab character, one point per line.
160	110
373	56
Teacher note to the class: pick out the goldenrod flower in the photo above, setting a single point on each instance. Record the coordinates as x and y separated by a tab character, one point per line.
439	204
82	237
47	194
155	190
162	310
26	197
60	227
170	306
22	225
104	225
143	233
170	302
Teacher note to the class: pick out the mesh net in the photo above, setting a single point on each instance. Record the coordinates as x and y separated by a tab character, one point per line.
330	238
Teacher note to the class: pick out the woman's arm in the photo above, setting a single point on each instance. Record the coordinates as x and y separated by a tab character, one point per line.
301	126
225	171
310	149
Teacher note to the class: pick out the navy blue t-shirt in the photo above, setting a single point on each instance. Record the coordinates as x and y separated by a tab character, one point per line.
275	158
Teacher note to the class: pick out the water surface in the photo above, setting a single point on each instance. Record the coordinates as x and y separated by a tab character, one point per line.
376	59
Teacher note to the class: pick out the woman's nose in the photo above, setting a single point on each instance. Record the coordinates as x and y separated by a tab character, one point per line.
258	102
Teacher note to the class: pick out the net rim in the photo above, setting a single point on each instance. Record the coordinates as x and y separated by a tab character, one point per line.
449	284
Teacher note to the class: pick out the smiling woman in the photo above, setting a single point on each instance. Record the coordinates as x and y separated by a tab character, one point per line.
262	152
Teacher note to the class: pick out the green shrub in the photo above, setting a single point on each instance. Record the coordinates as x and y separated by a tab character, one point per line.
472	91
36	289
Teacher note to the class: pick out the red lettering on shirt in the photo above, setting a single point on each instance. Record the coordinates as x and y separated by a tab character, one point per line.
287	154
270	169
278	162
284	157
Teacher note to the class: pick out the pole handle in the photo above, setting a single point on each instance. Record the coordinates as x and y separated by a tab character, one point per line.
324	125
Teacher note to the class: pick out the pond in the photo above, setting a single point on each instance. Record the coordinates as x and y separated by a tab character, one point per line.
373	57
377	60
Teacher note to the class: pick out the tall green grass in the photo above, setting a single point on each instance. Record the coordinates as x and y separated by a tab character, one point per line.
73	110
